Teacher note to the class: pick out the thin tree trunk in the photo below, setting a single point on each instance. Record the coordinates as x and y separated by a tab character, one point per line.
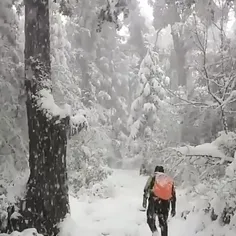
224	120
46	202
85	85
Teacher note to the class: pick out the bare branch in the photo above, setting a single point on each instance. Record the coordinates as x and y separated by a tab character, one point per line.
188	102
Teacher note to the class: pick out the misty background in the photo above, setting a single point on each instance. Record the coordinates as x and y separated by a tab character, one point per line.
157	88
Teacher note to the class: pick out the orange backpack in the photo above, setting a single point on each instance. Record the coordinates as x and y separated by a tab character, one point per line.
163	185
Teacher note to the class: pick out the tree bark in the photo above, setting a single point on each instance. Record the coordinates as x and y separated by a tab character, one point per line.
86	83
46	202
180	54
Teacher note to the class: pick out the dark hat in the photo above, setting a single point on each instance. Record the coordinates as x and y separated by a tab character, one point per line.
159	169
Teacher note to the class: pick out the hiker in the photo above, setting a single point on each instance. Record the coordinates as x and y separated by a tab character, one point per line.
160	197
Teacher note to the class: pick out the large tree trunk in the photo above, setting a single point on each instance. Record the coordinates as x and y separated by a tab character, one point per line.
180	60
46	202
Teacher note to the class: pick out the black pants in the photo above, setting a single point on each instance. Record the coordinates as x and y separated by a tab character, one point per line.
159	208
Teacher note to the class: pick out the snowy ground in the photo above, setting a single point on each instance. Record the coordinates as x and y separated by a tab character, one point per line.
119	215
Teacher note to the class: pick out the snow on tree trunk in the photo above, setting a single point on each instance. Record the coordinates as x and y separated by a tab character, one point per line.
46	202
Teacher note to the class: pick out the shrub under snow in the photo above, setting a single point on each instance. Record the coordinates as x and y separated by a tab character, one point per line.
88	155
26	232
226	143
209	171
101	190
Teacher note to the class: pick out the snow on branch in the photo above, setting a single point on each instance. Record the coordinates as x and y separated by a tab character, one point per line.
217	71
148	66
52	110
135	129
204	150
77	123
149	107
47	103
26	232
111	11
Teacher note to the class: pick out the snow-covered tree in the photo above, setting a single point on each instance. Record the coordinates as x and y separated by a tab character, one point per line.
66	87
215	71
89	153
103	68
13	148
137	29
144	120
46	202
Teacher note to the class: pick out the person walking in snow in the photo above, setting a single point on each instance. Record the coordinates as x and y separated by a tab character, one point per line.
160	192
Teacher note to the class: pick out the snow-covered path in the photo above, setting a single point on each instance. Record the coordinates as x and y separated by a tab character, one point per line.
119	215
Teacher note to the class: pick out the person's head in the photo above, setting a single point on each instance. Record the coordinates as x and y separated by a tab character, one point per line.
159	169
